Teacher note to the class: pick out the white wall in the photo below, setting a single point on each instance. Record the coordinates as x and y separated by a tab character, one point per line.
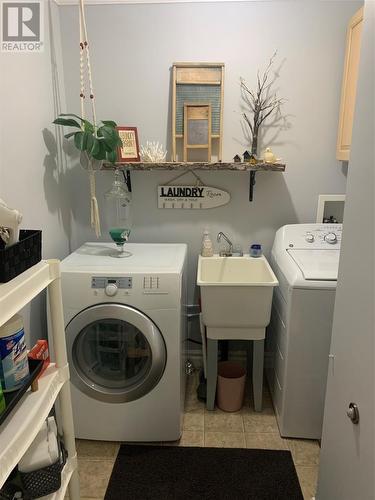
132	48
33	177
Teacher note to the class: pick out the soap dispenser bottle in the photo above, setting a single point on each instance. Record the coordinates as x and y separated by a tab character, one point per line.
207	247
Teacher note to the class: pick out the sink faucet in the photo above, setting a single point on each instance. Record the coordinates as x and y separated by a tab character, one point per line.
225	253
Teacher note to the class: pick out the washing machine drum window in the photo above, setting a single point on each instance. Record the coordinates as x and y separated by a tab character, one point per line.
116	353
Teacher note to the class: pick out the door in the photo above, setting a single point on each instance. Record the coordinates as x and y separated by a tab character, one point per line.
347	457
116	353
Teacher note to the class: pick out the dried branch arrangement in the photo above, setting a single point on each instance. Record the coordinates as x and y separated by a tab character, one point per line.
262	103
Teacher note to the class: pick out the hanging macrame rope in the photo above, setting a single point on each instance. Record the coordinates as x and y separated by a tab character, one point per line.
85	57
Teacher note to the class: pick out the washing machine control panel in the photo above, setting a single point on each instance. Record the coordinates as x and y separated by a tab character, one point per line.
111	283
313	236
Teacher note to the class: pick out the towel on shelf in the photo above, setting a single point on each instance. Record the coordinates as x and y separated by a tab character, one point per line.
43	451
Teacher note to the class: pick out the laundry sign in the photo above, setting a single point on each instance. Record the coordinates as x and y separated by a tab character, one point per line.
191	197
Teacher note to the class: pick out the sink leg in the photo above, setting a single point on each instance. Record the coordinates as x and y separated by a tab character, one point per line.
212	349
258	360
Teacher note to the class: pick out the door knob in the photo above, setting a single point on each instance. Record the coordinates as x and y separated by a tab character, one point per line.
353	413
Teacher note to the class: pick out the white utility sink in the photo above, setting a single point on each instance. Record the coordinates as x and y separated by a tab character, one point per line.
236	294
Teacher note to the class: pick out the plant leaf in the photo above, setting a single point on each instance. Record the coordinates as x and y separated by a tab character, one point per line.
107	146
79	141
71	114
119	141
83	140
67	122
110	135
109	123
88	127
94	148
67	136
100	154
112	156
89	141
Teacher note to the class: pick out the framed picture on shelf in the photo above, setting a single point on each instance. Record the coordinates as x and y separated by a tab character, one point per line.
129	152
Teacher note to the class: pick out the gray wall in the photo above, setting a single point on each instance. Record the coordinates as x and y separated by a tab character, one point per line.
33	175
132	48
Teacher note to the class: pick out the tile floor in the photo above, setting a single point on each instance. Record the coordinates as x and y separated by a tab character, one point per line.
244	429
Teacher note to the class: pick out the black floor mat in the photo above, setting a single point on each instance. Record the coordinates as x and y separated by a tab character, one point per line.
171	472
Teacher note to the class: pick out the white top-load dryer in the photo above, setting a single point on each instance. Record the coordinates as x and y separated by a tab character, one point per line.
125	326
305	259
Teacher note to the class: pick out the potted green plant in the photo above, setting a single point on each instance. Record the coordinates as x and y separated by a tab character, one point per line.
96	142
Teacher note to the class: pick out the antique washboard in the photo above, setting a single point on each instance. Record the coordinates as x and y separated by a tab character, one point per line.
197	83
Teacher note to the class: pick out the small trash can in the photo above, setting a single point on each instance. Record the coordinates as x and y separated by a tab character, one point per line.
230	386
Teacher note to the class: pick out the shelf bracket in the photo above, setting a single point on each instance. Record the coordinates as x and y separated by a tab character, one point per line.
251	185
127	179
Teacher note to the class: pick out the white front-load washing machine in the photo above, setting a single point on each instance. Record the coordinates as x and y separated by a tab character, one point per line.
125	325
305	259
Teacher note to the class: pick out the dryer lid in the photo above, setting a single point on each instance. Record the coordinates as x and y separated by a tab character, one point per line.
318	265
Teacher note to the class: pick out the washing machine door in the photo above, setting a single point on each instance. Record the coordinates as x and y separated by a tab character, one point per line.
116	353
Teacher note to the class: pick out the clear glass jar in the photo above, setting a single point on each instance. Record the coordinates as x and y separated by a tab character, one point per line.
118	214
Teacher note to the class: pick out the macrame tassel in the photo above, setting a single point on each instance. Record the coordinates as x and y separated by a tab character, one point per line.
95	217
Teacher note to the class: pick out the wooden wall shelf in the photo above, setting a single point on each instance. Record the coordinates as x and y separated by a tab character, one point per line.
178	166
181	166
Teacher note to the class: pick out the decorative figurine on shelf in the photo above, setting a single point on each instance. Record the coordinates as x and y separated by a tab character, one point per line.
249	158
153	152
269	157
246	156
237	159
261	103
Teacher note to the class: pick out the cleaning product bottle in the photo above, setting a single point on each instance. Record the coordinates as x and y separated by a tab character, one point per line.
207	247
14	366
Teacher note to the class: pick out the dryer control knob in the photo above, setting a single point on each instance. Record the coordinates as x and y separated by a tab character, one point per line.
310	238
111	290
331	238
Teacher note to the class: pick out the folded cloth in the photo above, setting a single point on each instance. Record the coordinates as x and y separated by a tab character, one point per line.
43	451
51	423
53	447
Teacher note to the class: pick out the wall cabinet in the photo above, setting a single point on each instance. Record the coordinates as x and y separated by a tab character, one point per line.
349	85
